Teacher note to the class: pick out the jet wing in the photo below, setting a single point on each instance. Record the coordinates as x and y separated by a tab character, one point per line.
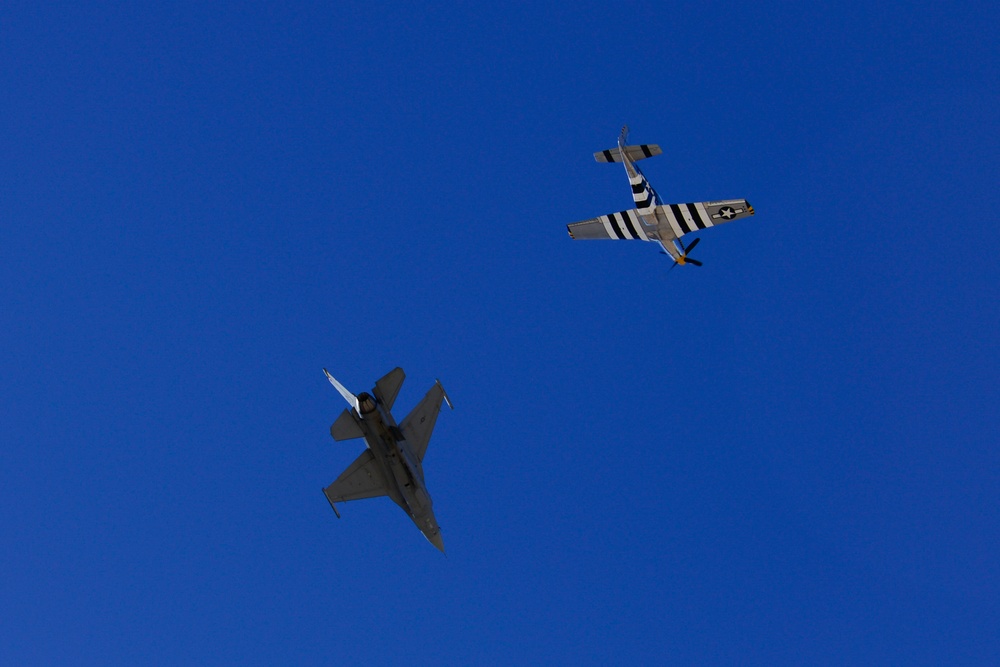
676	220
418	425
622	225
387	388
362	479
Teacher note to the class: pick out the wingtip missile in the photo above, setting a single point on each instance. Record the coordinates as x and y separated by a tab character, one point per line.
445	394
332	506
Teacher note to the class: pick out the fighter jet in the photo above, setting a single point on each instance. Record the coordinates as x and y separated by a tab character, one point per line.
650	220
391	466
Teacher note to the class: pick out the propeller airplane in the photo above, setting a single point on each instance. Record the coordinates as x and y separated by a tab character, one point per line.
650	220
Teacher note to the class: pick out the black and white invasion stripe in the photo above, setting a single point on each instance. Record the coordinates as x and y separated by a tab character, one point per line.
624	225
686	218
643	194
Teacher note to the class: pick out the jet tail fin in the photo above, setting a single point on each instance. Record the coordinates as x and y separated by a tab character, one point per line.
346	427
351	399
387	388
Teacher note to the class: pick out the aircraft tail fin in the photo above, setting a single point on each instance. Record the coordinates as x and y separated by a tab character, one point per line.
346	427
643	194
633	153
387	388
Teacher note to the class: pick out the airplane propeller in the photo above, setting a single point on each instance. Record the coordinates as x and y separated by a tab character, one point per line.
684	254
690	247
348	396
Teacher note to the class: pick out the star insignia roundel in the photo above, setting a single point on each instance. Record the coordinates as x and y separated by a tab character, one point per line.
727	212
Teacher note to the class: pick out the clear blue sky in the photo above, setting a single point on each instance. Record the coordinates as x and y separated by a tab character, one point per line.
788	456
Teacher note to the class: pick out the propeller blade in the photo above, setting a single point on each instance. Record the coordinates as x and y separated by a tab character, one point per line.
693	261
693	244
672	266
348	396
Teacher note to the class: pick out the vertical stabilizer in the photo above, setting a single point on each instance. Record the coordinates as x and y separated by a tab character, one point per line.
643	194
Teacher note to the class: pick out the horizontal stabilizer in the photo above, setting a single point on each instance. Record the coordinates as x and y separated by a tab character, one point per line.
387	388
346	427
634	153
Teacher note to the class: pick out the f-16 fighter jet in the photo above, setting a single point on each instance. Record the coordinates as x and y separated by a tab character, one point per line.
391	466
650	220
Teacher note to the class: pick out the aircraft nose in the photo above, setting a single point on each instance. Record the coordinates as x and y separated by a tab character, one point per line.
437	541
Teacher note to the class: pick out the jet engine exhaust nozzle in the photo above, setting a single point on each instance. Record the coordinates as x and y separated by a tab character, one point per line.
366	403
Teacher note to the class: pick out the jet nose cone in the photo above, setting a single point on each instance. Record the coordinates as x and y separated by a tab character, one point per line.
436	541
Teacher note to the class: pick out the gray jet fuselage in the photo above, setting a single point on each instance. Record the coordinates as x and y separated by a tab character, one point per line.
400	467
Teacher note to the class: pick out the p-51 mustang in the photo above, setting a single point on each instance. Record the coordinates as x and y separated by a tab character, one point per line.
650	220
392	464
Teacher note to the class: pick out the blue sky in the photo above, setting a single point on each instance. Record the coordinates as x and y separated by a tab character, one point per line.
788	456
